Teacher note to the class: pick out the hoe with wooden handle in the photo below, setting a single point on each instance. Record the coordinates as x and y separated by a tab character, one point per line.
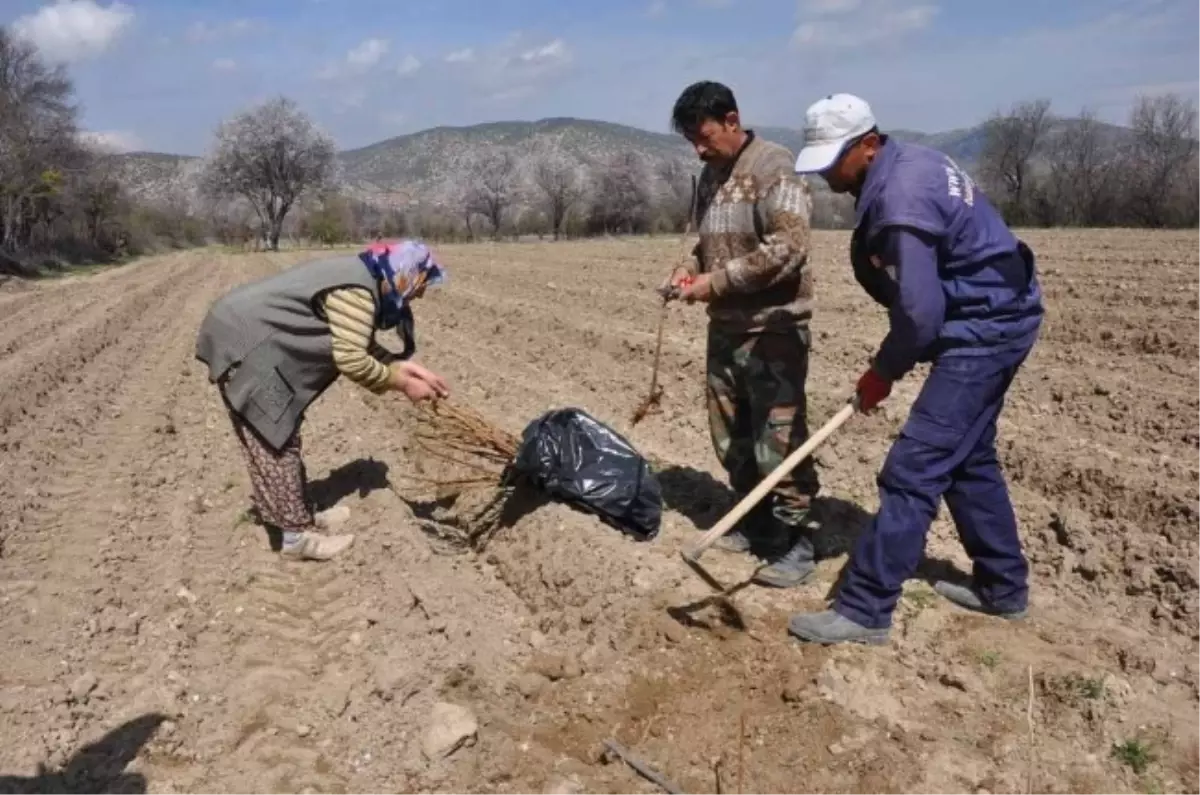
691	555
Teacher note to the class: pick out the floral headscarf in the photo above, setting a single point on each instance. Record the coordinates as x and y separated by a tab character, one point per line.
406	265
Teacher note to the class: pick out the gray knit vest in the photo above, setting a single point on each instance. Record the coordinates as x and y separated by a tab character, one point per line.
275	333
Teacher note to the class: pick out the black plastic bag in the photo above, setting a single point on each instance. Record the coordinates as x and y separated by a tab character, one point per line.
574	457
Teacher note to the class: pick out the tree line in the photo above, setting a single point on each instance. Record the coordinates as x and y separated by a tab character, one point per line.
1042	170
271	174
61	201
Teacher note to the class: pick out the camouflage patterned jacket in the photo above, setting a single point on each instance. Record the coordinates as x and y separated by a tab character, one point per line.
754	228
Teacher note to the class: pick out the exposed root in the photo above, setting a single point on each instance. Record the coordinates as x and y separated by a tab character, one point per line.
461	436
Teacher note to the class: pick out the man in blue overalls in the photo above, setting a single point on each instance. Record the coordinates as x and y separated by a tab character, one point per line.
962	293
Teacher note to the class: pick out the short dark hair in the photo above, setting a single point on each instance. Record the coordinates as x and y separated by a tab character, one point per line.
700	102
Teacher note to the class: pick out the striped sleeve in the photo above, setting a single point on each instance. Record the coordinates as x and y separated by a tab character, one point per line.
351	315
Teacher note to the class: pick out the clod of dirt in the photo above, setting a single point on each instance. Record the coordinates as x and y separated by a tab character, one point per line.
82	687
794	689
450	728
563	786
1090	565
530	684
673	631
1134	661
957	679
1072	527
391	681
556	666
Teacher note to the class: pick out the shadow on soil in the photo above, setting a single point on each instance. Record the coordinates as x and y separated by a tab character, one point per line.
704	500
447	520
359	477
98	767
931	570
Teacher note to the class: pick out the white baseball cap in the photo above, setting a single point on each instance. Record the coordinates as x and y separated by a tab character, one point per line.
829	124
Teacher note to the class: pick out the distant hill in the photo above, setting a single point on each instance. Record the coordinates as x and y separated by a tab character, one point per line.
433	166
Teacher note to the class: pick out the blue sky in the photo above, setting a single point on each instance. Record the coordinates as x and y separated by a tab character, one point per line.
160	74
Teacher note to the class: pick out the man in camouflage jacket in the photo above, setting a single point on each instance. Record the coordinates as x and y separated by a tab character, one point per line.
751	268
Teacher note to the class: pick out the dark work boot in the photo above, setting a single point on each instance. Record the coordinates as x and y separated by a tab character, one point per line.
967	597
793	562
795	566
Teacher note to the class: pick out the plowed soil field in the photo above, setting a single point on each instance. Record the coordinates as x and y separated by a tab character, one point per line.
153	641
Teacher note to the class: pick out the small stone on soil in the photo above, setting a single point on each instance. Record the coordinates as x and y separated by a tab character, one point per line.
793	691
82	686
563	786
530	684
551	666
450	728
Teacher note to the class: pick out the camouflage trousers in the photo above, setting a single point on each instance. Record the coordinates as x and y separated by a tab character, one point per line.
757	413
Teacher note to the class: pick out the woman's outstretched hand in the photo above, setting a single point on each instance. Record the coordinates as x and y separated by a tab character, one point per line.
417	383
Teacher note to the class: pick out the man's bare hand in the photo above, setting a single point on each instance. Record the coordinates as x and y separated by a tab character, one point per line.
670	289
698	289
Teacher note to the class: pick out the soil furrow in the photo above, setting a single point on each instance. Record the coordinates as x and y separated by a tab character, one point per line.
133	585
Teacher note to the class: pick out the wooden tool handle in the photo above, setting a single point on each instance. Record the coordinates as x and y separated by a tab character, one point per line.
779	473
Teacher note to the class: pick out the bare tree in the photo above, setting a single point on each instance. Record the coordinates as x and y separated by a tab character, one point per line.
555	177
1163	150
39	148
1012	140
101	201
679	185
621	203
270	155
1082	181
492	193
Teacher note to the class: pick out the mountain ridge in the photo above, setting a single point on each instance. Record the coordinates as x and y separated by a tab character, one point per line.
434	166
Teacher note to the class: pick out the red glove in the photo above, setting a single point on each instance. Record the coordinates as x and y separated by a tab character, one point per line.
872	389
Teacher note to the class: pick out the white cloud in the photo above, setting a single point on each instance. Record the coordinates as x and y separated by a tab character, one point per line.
367	54
359	60
827	7
224	65
518	68
409	65
1097	59
657	9
825	24
204	31
72	30
715	3
461	56
552	51
113	141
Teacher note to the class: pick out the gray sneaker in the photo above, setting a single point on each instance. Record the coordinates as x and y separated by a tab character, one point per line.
735	540
830	627
794	567
755	532
967	597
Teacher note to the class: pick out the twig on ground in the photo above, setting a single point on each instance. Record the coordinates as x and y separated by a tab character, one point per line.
741	781
1029	720
644	770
